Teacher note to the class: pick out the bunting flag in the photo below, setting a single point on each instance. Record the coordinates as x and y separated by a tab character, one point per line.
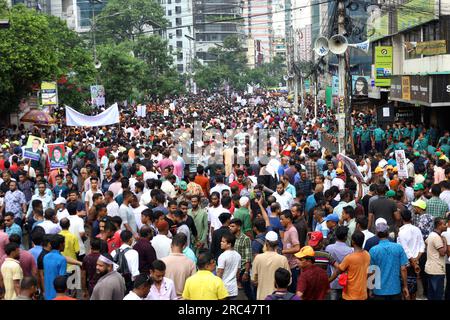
107	117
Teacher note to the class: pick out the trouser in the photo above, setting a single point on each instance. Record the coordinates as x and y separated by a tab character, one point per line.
295	273
388	298
365	147
248	288
336	294
423	274
447	286
379	146
436	287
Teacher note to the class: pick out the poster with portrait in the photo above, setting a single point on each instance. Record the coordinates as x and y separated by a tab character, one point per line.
57	155
360	86
400	158
98	95
33	148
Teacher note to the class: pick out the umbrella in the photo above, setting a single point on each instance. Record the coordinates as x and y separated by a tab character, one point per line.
38	117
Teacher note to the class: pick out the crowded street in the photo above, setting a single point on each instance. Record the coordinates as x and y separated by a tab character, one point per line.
242	151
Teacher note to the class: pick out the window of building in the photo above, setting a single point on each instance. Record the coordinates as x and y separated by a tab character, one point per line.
180	56
431	31
178	21
179	33
177	9
170	48
179	44
169	12
169	1
170	35
177	1
180	68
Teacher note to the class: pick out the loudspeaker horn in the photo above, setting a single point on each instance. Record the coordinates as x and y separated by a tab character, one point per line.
364	46
97	64
321	46
338	44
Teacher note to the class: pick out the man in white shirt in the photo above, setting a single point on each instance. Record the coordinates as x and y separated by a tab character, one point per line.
220	186
50	224
362	224
111	205
214	211
137	210
76	226
228	264
88	201
283	198
161	242
141	287
168	186
61	211
411	239
338	181
162	288
131	255
445	194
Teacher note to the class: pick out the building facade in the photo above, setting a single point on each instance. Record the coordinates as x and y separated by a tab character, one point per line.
416	33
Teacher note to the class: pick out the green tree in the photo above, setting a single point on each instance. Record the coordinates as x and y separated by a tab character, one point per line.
38	48
125	20
121	72
27	55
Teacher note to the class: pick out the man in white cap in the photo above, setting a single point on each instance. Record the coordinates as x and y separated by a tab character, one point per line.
373	241
243	214
60	207
265	264
110	285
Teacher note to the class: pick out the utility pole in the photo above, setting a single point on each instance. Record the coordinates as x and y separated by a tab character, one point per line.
342	81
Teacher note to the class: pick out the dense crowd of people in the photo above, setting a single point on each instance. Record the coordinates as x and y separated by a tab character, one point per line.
131	217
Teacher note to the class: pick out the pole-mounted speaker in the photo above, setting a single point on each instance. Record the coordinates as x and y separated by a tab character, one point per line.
321	46
338	44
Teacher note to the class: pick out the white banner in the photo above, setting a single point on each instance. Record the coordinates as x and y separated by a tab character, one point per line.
107	117
400	158
141	111
351	166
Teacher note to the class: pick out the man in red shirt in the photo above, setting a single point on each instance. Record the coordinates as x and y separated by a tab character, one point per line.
202	180
239	182
60	284
313	280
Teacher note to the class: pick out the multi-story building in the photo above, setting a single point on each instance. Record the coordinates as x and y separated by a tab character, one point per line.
415	80
215	20
258	28
180	33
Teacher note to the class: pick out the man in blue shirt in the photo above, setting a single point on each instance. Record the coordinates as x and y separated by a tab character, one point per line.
54	265
11	226
392	261
37	235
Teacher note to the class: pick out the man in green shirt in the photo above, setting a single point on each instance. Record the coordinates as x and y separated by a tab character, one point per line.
357	136
445	147
406	132
379	137
421	143
243	214
200	217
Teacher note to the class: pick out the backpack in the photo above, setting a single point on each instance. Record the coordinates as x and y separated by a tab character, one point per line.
123	268
286	296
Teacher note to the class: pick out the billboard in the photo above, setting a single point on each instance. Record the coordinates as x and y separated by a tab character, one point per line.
378	26
383	66
360	86
406	88
49	93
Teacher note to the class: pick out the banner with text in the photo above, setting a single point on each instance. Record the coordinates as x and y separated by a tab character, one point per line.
108	117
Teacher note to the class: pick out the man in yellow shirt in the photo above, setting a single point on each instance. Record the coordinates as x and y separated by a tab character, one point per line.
204	285
71	247
11	271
